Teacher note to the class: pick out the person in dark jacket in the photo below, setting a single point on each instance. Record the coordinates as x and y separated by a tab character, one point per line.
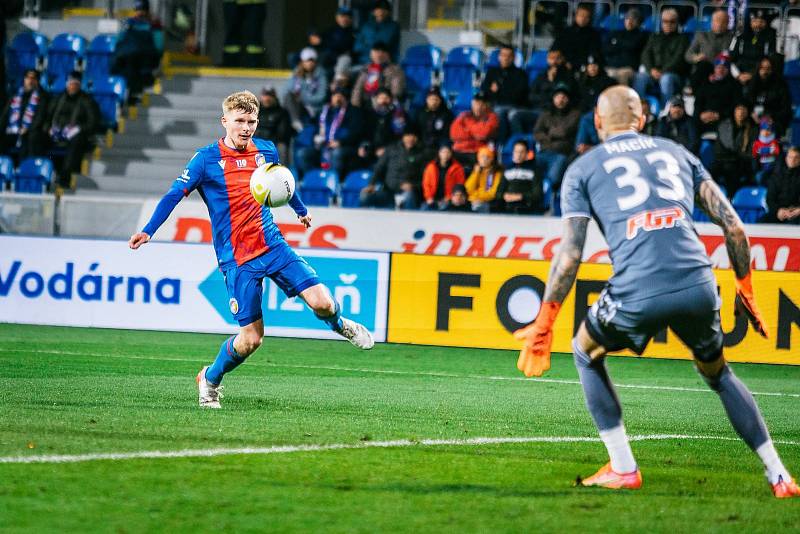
433	121
592	81
579	40
338	42
380	28
507	88
663	60
23	119
72	119
678	126
136	54
339	130
748	47
556	73
274	123
733	151
458	200
8	10
708	45
783	193
397	172
384	120
768	94
555	132
520	190
622	49
716	96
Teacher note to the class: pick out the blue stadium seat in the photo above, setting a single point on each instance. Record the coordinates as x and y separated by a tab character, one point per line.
6	171
492	60
655	105
791	71
66	52
34	175
319	187
421	65
110	93
352	186
536	64
99	56
26	51
508	147
706	153
547	194
461	69
751	203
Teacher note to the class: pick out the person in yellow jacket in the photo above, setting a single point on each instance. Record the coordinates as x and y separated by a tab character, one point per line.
484	180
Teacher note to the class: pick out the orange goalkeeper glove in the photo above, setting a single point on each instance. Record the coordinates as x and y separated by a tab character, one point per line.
534	358
746	304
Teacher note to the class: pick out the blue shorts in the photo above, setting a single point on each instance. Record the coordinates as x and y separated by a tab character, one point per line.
692	313
245	283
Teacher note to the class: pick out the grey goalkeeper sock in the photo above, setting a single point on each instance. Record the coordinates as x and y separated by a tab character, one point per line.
601	399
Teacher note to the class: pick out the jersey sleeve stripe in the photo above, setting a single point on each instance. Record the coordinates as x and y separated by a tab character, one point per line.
573	214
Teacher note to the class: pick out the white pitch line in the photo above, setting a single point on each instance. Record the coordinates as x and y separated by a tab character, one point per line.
410	373
288	449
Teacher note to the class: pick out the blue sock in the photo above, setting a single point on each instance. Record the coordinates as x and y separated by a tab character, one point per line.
227	360
333	321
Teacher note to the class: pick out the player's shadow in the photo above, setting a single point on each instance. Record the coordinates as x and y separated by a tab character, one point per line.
471	489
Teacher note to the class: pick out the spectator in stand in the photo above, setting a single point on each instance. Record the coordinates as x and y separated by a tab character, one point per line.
587	136
23	119
507	88
706	46
556	73
622	49
385	121
783	194
339	129
592	81
755	42
768	94
378	29
472	129
380	72
441	175
555	132
650	120
397	178
274	122
72	120
733	151
663	60
579	40
338	42
521	188
314	42
678	126
484	181
306	91
458	201
766	150
8	9
434	120
716	96
137	55
365	156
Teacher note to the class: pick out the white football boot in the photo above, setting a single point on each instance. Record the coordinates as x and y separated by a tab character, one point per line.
357	334
209	394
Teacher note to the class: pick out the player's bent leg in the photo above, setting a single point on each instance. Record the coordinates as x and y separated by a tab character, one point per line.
232	353
601	400
328	311
746	419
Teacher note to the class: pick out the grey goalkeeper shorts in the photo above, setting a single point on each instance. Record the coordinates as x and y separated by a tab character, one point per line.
692	313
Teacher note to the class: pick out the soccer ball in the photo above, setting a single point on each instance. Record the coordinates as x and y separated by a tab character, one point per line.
272	185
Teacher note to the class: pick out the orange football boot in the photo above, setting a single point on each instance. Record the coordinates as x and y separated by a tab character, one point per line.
785	489
608	478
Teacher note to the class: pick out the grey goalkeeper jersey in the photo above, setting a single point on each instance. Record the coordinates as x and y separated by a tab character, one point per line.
641	190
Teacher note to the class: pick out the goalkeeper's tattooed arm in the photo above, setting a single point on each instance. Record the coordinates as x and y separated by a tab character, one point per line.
716	205
564	267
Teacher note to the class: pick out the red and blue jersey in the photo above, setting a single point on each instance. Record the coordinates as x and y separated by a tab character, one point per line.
242	229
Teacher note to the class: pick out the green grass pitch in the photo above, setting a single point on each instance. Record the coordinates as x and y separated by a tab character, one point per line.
80	391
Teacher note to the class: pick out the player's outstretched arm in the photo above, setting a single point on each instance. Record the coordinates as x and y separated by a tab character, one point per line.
716	205
534	358
138	239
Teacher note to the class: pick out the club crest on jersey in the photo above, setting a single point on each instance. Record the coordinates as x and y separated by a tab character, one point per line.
260	160
234	305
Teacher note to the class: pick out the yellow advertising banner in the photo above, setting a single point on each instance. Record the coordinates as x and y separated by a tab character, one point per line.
479	302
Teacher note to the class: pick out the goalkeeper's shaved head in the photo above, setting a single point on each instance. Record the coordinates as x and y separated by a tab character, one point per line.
619	109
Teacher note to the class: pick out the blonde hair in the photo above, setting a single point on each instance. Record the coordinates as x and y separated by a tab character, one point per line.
242	101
